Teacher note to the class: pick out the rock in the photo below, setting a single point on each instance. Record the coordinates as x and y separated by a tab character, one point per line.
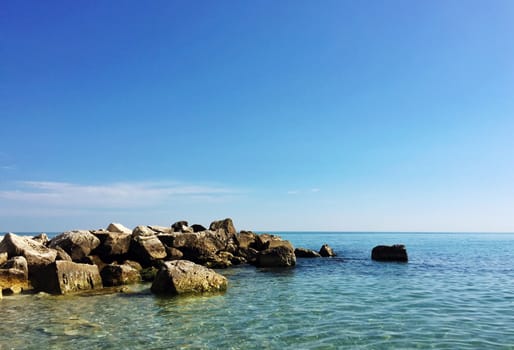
41	238
197	247
37	255
118	228
134	264
14	275
63	277
306	253
61	254
181	226
113	245
143	231
326	251
226	225
3	258
148	274
198	228
117	275
173	254
265	241
147	250
160	229
281	256
78	244
182	276
395	252
94	260
246	239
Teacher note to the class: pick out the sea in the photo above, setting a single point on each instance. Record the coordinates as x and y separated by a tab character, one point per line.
456	292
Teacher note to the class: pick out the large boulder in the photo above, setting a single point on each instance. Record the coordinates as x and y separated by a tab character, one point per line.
117	275
143	231
227	225
197	247
118	228
61	254
36	254
280	256
78	244
64	277
306	253
395	252
326	251
182	276
14	275
113	245
147	250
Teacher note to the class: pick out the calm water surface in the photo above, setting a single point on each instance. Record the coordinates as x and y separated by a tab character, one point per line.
456	292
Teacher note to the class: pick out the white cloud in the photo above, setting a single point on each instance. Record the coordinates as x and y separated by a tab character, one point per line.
44	194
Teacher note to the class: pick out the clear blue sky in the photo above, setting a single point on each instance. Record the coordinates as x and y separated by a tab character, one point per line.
285	115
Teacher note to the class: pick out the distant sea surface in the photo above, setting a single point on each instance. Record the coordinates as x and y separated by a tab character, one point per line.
456	292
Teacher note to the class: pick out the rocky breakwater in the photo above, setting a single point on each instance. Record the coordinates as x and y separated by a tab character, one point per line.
83	260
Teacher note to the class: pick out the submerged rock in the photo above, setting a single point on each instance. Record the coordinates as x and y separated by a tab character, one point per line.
395	252
183	276
281	256
78	244
64	277
306	253
326	251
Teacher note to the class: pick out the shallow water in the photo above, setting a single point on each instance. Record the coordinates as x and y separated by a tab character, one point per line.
457	291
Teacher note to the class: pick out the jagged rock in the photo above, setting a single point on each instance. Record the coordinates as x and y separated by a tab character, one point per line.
395	252
220	260
37	255
182	276
41	238
226	225
143	231
63	277
113	245
3	258
134	264
94	260
117	275
280	256
196	247
61	254
147	250
198	228
173	254
160	229
14	275
306	253
181	226
118	228
246	239
326	251
78	244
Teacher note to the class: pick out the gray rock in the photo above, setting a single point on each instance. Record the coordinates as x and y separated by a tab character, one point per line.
326	251
64	277
117	275
227	225
395	252
78	244
182	276
147	250
306	253
37	255
113	245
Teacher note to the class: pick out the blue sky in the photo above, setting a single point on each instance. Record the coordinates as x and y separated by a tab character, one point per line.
284	115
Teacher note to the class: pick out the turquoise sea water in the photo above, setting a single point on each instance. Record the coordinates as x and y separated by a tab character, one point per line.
456	292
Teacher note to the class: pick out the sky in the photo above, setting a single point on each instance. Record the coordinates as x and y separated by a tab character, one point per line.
342	115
